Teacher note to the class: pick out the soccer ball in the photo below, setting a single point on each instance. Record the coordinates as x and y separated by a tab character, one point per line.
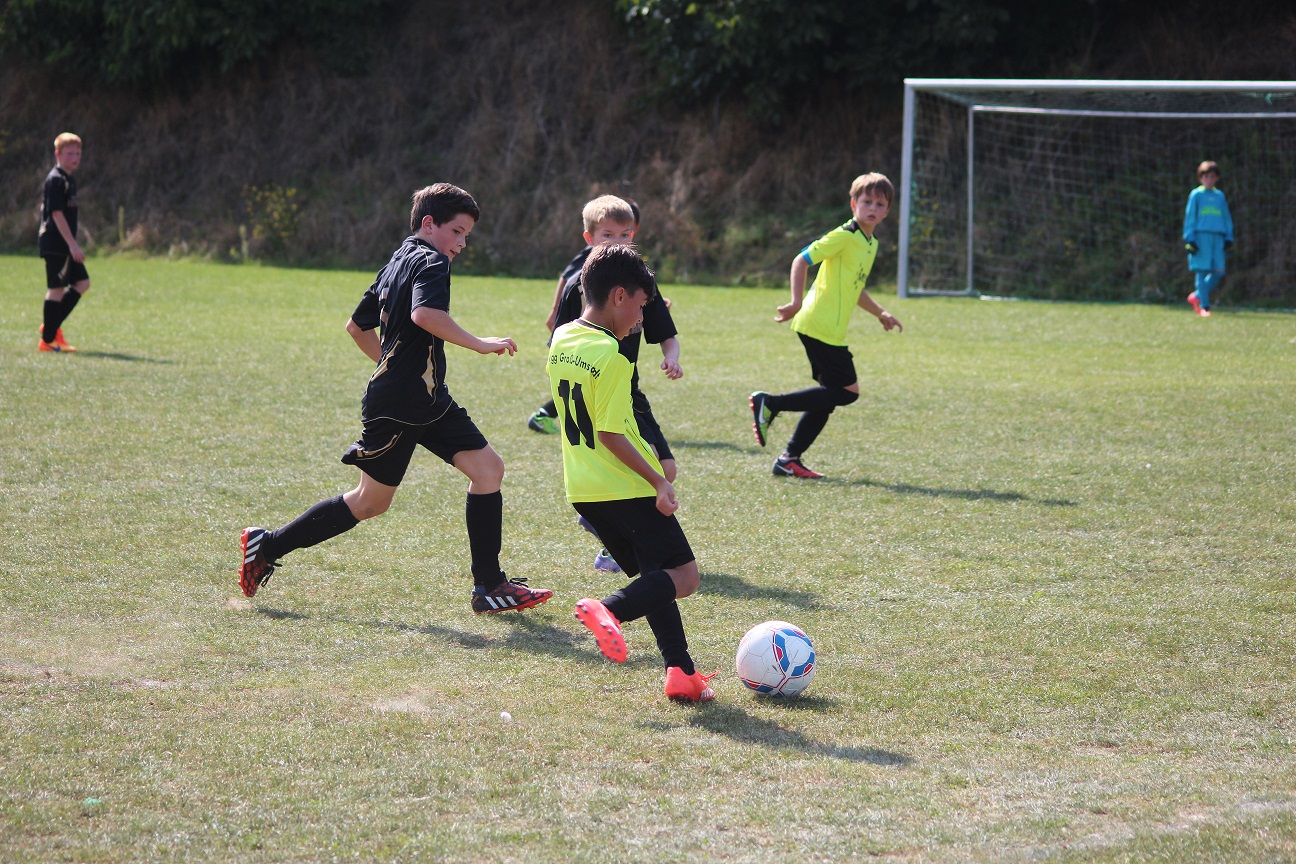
776	659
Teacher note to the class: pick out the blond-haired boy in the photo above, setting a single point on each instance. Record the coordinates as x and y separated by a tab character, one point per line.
64	259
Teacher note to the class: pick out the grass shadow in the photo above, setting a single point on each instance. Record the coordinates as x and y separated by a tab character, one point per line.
128	358
709	445
280	614
738	725
944	492
527	635
738	588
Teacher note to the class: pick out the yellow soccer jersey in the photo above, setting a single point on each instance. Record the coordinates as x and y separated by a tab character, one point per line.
845	256
590	382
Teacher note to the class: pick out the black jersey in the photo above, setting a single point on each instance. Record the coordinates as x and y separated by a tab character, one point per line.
60	194
574	266
409	383
657	327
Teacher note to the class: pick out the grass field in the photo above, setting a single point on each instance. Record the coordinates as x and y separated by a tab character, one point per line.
1049	579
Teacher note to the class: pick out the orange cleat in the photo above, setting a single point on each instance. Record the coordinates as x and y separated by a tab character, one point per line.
688	688
605	627
1195	303
60	344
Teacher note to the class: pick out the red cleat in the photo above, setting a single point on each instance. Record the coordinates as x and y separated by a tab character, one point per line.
688	688
605	627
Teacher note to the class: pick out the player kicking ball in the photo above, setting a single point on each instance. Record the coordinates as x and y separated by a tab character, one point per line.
611	475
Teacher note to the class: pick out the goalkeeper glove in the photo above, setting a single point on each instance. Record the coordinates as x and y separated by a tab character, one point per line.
1191	247
1228	247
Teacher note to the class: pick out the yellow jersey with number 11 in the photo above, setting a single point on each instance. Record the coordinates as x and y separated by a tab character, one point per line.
590	382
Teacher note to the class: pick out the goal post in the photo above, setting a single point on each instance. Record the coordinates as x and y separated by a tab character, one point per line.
1075	189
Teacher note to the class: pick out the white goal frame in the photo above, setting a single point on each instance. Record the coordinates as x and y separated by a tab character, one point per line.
970	86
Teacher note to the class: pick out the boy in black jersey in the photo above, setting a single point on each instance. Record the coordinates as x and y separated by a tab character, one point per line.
64	260
407	404
567	297
612	220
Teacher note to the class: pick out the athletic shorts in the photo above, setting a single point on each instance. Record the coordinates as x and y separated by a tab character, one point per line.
386	447
830	365
61	271
648	428
637	535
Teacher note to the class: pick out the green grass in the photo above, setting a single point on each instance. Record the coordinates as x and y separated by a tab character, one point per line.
1049	579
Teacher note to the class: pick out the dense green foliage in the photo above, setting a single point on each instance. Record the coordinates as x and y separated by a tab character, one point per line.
140	44
769	51
766	50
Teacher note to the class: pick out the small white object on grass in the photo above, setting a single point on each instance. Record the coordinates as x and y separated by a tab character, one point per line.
506	717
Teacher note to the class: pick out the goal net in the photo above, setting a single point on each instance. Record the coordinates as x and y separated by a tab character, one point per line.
1075	190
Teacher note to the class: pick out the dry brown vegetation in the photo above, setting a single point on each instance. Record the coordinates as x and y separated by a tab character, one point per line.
533	109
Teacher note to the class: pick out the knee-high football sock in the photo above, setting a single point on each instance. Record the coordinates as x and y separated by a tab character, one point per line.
806	431
324	520
668	627
70	300
809	399
647	594
484	515
52	318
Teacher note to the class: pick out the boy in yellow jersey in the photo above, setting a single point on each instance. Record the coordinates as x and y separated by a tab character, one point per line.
612	477
845	256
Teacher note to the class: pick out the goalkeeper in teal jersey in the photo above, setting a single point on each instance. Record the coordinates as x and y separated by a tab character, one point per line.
1207	236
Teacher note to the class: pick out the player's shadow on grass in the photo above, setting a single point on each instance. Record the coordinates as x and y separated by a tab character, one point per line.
735	723
943	492
530	635
128	358
738	588
708	445
526	634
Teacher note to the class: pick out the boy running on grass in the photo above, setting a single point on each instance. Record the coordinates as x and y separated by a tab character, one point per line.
612	477
407	405
846	257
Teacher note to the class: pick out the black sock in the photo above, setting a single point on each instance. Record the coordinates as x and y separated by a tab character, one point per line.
550	408
70	299
809	399
645	595
484	515
807	430
53	318
668	627
326	519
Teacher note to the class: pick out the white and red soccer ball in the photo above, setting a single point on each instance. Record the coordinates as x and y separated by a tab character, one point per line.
776	659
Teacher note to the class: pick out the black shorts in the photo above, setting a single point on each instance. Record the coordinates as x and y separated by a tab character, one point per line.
386	447
61	271
637	535
830	365
648	428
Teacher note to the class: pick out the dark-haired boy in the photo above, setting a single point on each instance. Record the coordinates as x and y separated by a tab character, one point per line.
845	256
612	477
407	404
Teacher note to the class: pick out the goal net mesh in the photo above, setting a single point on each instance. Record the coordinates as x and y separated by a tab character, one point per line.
1080	195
